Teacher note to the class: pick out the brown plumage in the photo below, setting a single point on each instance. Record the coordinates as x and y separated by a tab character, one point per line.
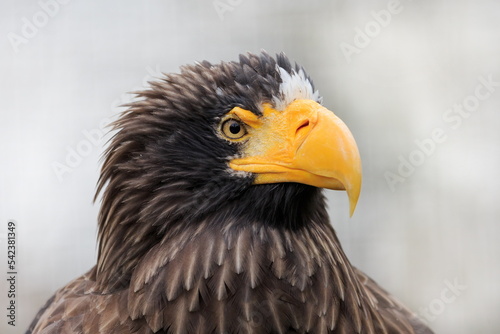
187	245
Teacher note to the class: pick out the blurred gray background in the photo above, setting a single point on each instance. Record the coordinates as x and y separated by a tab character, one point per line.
417	82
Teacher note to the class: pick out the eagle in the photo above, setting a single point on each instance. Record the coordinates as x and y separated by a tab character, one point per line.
213	218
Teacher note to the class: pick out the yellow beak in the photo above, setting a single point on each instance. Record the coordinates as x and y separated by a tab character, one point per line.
305	143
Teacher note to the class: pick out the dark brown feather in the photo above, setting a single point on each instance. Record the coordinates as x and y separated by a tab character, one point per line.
226	300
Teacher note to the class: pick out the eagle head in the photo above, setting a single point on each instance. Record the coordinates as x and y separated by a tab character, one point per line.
237	139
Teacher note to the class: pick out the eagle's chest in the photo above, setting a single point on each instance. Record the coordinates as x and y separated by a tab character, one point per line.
254	281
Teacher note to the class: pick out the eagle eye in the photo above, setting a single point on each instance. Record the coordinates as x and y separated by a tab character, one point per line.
233	129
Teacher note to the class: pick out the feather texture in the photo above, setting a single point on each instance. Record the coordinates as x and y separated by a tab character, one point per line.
229	300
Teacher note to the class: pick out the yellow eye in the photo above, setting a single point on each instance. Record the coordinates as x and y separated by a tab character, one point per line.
233	129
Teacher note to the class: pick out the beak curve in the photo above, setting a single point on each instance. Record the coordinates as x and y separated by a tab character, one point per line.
305	143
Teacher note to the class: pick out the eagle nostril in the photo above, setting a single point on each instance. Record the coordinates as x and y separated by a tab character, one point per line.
302	126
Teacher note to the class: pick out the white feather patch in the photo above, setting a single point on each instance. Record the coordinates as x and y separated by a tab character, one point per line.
294	86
